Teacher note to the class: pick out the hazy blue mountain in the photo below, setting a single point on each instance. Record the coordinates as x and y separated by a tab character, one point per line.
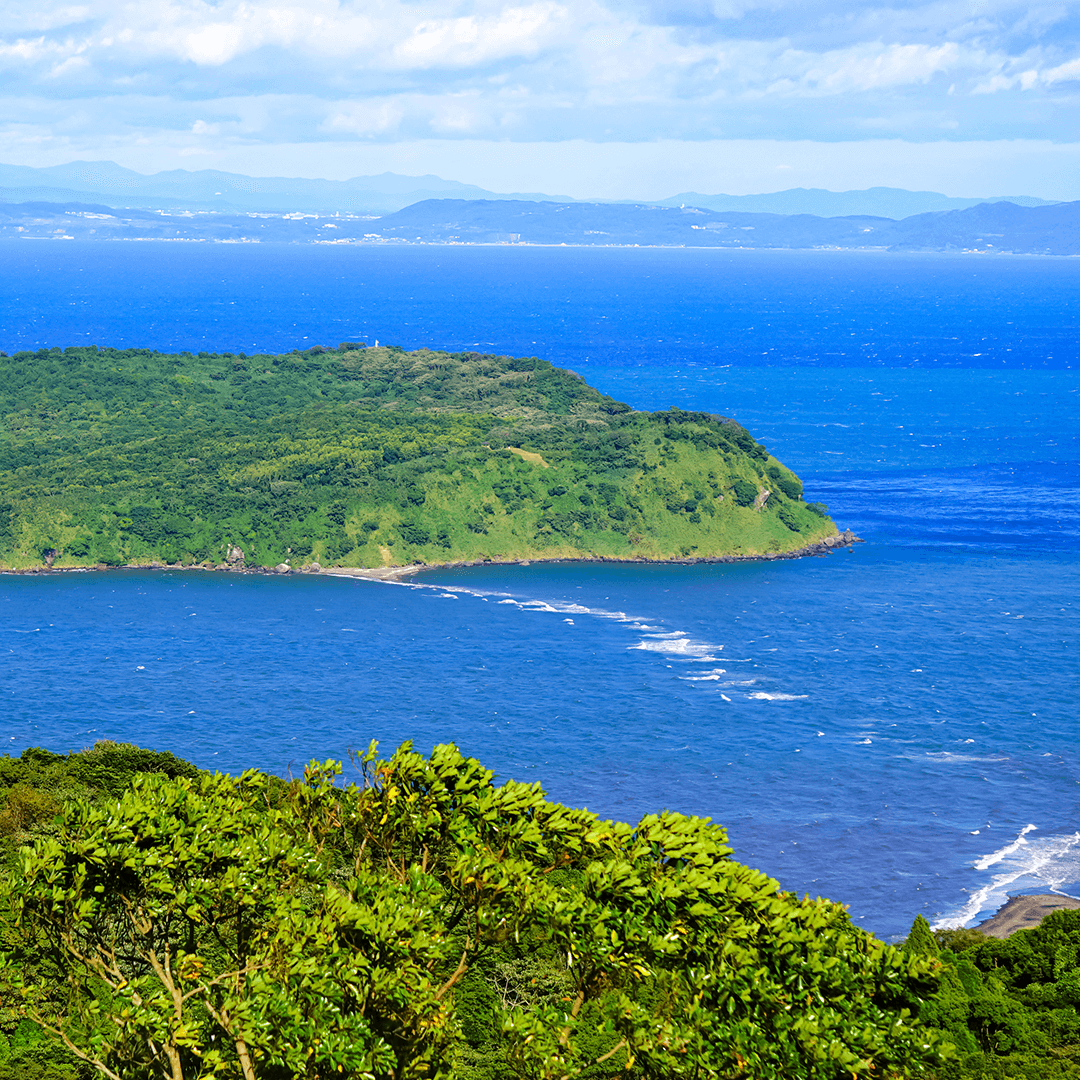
110	184
877	202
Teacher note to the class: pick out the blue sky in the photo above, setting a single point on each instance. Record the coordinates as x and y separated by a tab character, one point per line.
633	99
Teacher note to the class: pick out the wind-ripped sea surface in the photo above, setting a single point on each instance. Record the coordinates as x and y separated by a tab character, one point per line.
895	727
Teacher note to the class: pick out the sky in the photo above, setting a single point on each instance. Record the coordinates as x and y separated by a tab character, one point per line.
623	99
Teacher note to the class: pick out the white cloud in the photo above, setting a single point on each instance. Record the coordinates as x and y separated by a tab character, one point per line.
34	50
370	117
38	18
1067	72
543	69
68	66
214	35
473	40
872	67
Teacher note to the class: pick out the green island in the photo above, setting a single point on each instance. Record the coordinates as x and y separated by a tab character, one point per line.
368	457
159	922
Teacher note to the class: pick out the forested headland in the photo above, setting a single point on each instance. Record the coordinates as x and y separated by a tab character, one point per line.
366	457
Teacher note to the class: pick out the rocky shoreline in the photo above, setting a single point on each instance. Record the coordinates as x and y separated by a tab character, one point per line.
236	563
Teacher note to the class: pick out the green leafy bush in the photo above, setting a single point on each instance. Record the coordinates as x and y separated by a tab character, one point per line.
430	924
791	486
745	492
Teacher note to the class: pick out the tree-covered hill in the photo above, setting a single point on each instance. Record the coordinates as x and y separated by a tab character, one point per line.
360	456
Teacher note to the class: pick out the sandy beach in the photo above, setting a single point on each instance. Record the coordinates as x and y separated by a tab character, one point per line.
1024	912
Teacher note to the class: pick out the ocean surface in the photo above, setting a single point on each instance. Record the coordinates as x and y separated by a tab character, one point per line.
896	726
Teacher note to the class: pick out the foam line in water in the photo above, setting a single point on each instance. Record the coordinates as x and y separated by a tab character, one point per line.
946	757
669	644
996	856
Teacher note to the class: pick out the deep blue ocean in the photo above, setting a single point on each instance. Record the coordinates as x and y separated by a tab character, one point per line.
896	727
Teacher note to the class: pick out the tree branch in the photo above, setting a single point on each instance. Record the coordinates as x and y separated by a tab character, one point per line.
612	1052
461	969
81	1054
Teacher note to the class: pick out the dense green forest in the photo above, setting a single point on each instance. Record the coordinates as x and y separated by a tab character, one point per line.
1010	1007
158	921
360	456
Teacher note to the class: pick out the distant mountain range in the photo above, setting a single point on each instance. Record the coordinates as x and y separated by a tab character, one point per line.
875	202
108	184
111	185
988	227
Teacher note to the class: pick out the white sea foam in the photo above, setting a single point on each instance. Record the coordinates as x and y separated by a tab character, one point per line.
761	695
1039	864
996	856
945	756
680	646
705	676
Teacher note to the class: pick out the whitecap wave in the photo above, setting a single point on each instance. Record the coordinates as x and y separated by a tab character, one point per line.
680	646
946	756
761	695
705	676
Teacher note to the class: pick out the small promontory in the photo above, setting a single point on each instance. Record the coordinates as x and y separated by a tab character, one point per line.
368	457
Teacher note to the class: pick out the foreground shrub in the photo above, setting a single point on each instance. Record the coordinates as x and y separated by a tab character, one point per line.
426	923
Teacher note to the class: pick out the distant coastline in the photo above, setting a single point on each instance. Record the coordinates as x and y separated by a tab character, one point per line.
987	228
